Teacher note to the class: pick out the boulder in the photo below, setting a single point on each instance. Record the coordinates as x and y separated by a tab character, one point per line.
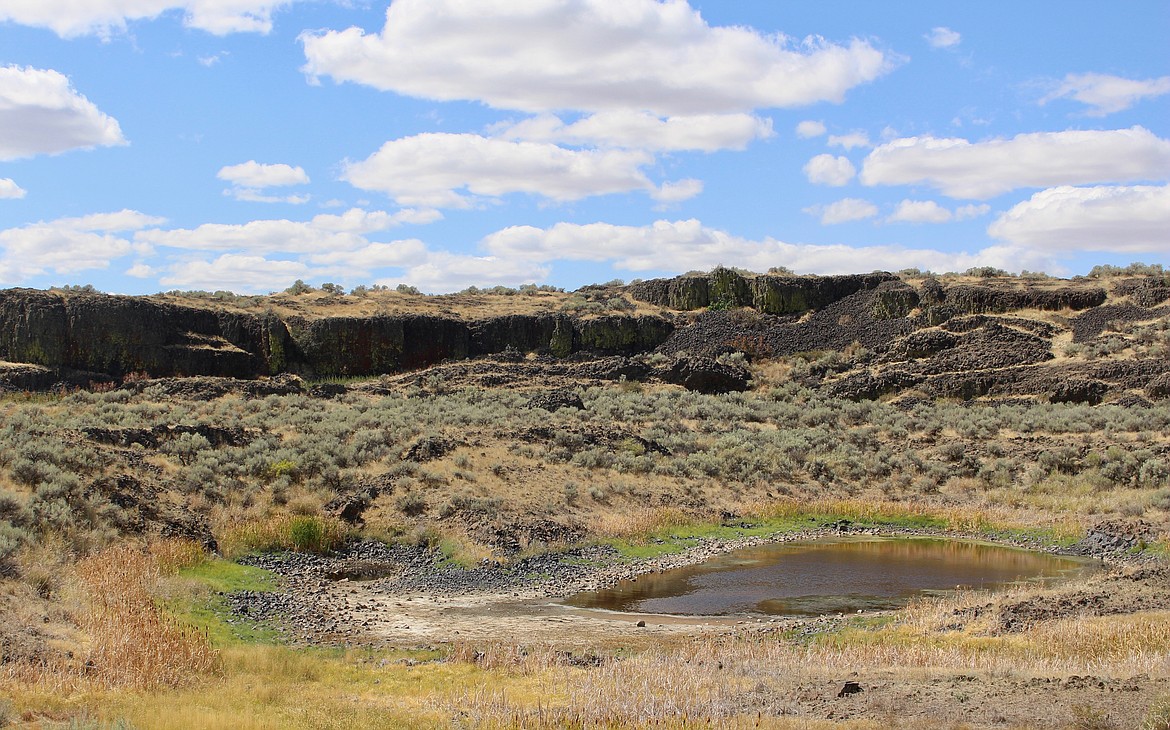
706	375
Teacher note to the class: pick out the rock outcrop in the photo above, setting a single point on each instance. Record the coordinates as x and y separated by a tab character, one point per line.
724	288
856	336
118	335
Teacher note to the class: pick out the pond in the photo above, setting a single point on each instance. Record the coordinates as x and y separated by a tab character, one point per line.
841	575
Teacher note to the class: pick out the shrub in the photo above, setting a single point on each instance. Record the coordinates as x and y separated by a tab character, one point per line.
412	504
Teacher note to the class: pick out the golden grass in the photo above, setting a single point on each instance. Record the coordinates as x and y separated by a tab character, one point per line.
300	533
132	642
637	525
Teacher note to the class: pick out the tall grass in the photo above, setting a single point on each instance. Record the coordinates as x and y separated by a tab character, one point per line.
132	642
299	533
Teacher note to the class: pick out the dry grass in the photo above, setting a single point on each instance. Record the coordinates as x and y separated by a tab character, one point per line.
300	533
637	525
132	642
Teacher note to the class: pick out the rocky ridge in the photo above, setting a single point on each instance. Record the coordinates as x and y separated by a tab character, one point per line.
1065	340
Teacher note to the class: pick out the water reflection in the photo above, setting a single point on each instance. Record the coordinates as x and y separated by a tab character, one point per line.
832	576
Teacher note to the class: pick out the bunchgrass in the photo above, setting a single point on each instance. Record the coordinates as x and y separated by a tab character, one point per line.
298	533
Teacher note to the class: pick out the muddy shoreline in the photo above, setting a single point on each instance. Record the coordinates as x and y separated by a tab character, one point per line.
373	594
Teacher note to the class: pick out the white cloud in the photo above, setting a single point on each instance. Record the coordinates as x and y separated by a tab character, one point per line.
966	212
447	272
920	211
829	170
433	170
239	273
849	141
1115	219
252	174
68	245
962	169
682	245
250	178
943	37
213	59
645	131
375	256
843	211
41	113
10	190
809	129
1107	94
345	232
104	18
588	55
676	192
251	195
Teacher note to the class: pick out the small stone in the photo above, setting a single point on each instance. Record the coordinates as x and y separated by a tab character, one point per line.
641	624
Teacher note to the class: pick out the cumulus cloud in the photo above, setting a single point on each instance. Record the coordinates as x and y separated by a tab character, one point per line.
1106	94
375	256
41	113
966	212
920	211
252	174
446	272
843	211
691	245
645	131
10	190
326	232
431	271
242	273
435	169
810	128
1104	218
943	37
104	18
68	245
849	141
829	170
588	55
250	178
963	169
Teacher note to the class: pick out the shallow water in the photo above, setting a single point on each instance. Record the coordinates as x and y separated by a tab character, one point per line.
838	575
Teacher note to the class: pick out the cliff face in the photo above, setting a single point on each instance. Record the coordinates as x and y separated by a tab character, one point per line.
964	338
767	294
117	335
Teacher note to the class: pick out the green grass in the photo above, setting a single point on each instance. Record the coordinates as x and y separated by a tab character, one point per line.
228	577
678	538
205	608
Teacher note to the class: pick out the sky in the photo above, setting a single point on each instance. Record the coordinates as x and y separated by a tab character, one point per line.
155	145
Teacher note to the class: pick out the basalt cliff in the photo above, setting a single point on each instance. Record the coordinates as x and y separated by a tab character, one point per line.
857	336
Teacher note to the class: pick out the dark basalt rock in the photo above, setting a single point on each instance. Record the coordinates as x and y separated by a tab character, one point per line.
765	293
1159	387
921	344
1080	391
990	297
115	336
139	510
707	376
867	386
554	400
429	448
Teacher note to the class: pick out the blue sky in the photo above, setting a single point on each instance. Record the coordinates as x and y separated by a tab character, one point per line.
150	145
